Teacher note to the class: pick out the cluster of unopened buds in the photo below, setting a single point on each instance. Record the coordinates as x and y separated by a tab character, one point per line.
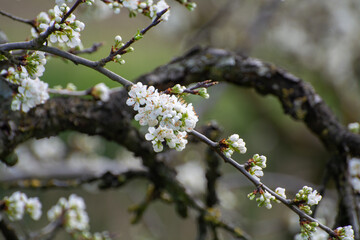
182	91
66	32
264	199
168	117
307	197
17	204
345	233
233	144
118	44
255	166
31	90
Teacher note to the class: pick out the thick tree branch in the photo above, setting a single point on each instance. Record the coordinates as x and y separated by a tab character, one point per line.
298	98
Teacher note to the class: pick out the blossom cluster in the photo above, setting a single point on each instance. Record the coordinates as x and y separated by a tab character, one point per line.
307	197
354	170
31	90
73	212
118	44
18	203
307	230
255	165
345	233
233	144
264	199
168	117
148	7
66	33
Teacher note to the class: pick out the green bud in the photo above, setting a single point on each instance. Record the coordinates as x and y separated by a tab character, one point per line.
251	196
203	93
191	6
178	88
71	87
130	49
138	35
122	61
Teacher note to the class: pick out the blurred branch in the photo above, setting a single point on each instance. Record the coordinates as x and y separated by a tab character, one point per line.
91	49
49	231
106	180
7	231
18	19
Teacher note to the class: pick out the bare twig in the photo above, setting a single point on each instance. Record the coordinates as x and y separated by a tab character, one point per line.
91	49
106	180
122	50
19	19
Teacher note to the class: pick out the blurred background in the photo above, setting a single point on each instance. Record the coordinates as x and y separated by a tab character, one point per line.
318	41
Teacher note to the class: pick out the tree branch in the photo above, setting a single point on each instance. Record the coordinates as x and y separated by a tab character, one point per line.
112	119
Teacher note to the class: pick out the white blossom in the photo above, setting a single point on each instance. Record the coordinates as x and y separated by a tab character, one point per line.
15	206
131	4
281	192
73	209
160	6
354	171
354	167
101	91
355	183
33	207
256	171
260	160
345	233
314	198
308	195
67	33
31	92
265	199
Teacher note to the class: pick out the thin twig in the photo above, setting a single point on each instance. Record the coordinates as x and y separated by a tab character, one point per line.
49	231
123	50
75	59
259	184
91	49
106	180
7	231
19	19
